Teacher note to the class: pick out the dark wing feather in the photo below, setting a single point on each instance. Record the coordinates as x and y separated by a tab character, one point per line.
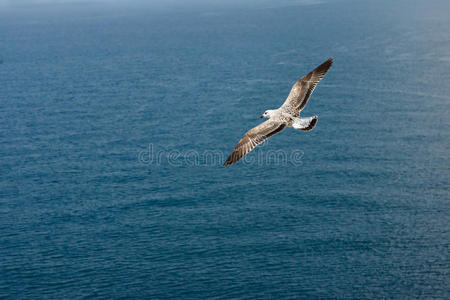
253	138
302	89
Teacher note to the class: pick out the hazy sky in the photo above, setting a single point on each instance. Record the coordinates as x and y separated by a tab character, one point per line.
159	2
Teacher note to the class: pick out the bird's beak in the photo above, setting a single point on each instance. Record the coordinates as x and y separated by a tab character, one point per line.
261	116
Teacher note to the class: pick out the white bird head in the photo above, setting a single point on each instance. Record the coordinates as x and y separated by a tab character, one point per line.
267	114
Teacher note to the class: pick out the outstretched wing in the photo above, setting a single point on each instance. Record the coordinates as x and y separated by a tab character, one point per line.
302	89
253	138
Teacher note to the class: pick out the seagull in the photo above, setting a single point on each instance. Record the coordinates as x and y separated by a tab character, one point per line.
287	114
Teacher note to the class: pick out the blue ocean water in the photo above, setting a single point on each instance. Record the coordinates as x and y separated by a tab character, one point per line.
96	95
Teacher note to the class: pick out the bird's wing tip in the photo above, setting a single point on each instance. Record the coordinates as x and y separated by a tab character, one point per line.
227	163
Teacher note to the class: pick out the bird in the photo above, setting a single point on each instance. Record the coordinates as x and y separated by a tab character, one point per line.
287	115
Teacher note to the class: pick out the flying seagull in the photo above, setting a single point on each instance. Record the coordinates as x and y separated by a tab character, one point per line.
287	114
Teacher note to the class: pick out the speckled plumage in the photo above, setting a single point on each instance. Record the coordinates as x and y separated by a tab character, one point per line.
286	115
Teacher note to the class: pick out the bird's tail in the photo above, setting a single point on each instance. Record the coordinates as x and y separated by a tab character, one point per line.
305	124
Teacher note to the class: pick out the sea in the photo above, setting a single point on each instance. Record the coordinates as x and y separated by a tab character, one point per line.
116	118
